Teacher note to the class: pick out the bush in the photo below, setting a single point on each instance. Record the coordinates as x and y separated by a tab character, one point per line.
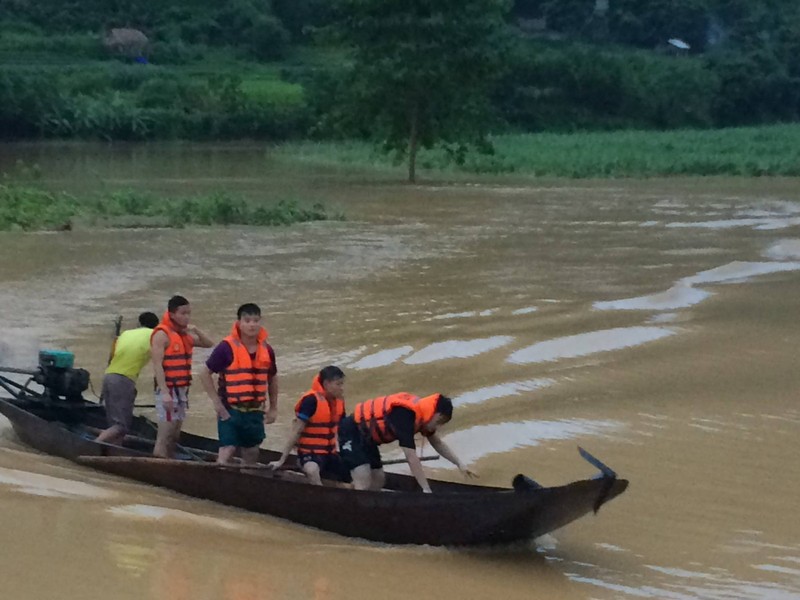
267	39
175	52
25	206
574	87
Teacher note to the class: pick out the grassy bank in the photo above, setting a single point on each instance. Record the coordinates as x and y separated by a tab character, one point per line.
25	206
747	151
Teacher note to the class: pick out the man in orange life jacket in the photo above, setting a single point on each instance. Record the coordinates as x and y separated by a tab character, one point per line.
171	347
248	374
314	430
389	418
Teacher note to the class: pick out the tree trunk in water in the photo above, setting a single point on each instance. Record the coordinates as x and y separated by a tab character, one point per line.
412	143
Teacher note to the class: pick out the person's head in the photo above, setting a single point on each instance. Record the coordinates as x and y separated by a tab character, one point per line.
148	319
332	380
249	318
441	415
179	310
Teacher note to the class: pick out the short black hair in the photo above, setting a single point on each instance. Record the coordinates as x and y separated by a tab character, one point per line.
330	373
444	406
148	319
248	309
175	303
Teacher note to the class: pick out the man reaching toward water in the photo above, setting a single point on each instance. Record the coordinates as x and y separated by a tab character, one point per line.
386	419
314	430
171	347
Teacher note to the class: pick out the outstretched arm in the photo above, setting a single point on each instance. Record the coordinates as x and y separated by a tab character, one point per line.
416	469
445	451
297	429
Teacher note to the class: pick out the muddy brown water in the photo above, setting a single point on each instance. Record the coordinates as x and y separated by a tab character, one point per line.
652	322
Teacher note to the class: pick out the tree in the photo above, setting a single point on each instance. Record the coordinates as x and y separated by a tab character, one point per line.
422	70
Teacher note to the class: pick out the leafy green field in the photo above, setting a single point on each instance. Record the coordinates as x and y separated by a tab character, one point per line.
747	151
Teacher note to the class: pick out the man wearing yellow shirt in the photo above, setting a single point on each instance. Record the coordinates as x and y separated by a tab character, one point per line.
130	354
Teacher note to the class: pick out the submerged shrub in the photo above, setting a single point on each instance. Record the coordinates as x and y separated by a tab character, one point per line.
25	206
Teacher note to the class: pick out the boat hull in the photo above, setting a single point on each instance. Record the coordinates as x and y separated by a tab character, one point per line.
455	514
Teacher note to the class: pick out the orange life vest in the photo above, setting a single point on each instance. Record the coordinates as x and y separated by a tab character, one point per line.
177	361
245	380
371	414
319	434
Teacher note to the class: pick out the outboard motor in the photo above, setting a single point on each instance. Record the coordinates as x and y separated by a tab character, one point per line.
58	377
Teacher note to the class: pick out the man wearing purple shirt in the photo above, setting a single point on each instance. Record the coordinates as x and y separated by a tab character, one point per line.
247	377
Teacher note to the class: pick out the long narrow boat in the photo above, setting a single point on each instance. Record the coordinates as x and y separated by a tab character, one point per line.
60	422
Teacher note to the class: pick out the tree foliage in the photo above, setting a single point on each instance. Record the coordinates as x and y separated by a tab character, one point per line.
422	70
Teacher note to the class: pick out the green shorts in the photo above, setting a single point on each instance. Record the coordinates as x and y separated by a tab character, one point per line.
243	429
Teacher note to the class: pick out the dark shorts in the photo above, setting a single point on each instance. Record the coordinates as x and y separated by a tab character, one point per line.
243	429
118	394
330	466
356	450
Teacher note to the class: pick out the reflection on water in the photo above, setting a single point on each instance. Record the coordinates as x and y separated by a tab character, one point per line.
585	344
159	513
43	485
502	390
457	349
382	358
522	280
681	295
484	440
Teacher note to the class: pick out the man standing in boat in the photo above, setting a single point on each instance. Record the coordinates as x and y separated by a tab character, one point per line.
386	419
248	377
171	347
129	355
315	428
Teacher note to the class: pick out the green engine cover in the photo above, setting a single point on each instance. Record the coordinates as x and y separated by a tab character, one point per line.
60	359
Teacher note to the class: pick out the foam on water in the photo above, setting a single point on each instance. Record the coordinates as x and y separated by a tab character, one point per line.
715	589
382	358
461	315
763	223
457	349
778	569
681	295
524	311
786	249
585	344
512	388
738	271
483	440
44	485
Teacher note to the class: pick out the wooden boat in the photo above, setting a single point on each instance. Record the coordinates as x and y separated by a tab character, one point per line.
455	514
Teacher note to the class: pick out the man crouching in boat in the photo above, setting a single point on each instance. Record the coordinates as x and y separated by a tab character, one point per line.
248	373
129	355
386	419
171	347
314	430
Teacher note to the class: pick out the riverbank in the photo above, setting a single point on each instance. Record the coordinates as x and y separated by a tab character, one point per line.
772	150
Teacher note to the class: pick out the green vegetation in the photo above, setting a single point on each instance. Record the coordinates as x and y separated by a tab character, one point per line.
747	151
259	69
27	206
422	71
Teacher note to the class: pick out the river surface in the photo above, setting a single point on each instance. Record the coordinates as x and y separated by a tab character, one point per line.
652	322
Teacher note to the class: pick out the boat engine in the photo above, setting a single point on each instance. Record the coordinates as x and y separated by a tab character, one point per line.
58	377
